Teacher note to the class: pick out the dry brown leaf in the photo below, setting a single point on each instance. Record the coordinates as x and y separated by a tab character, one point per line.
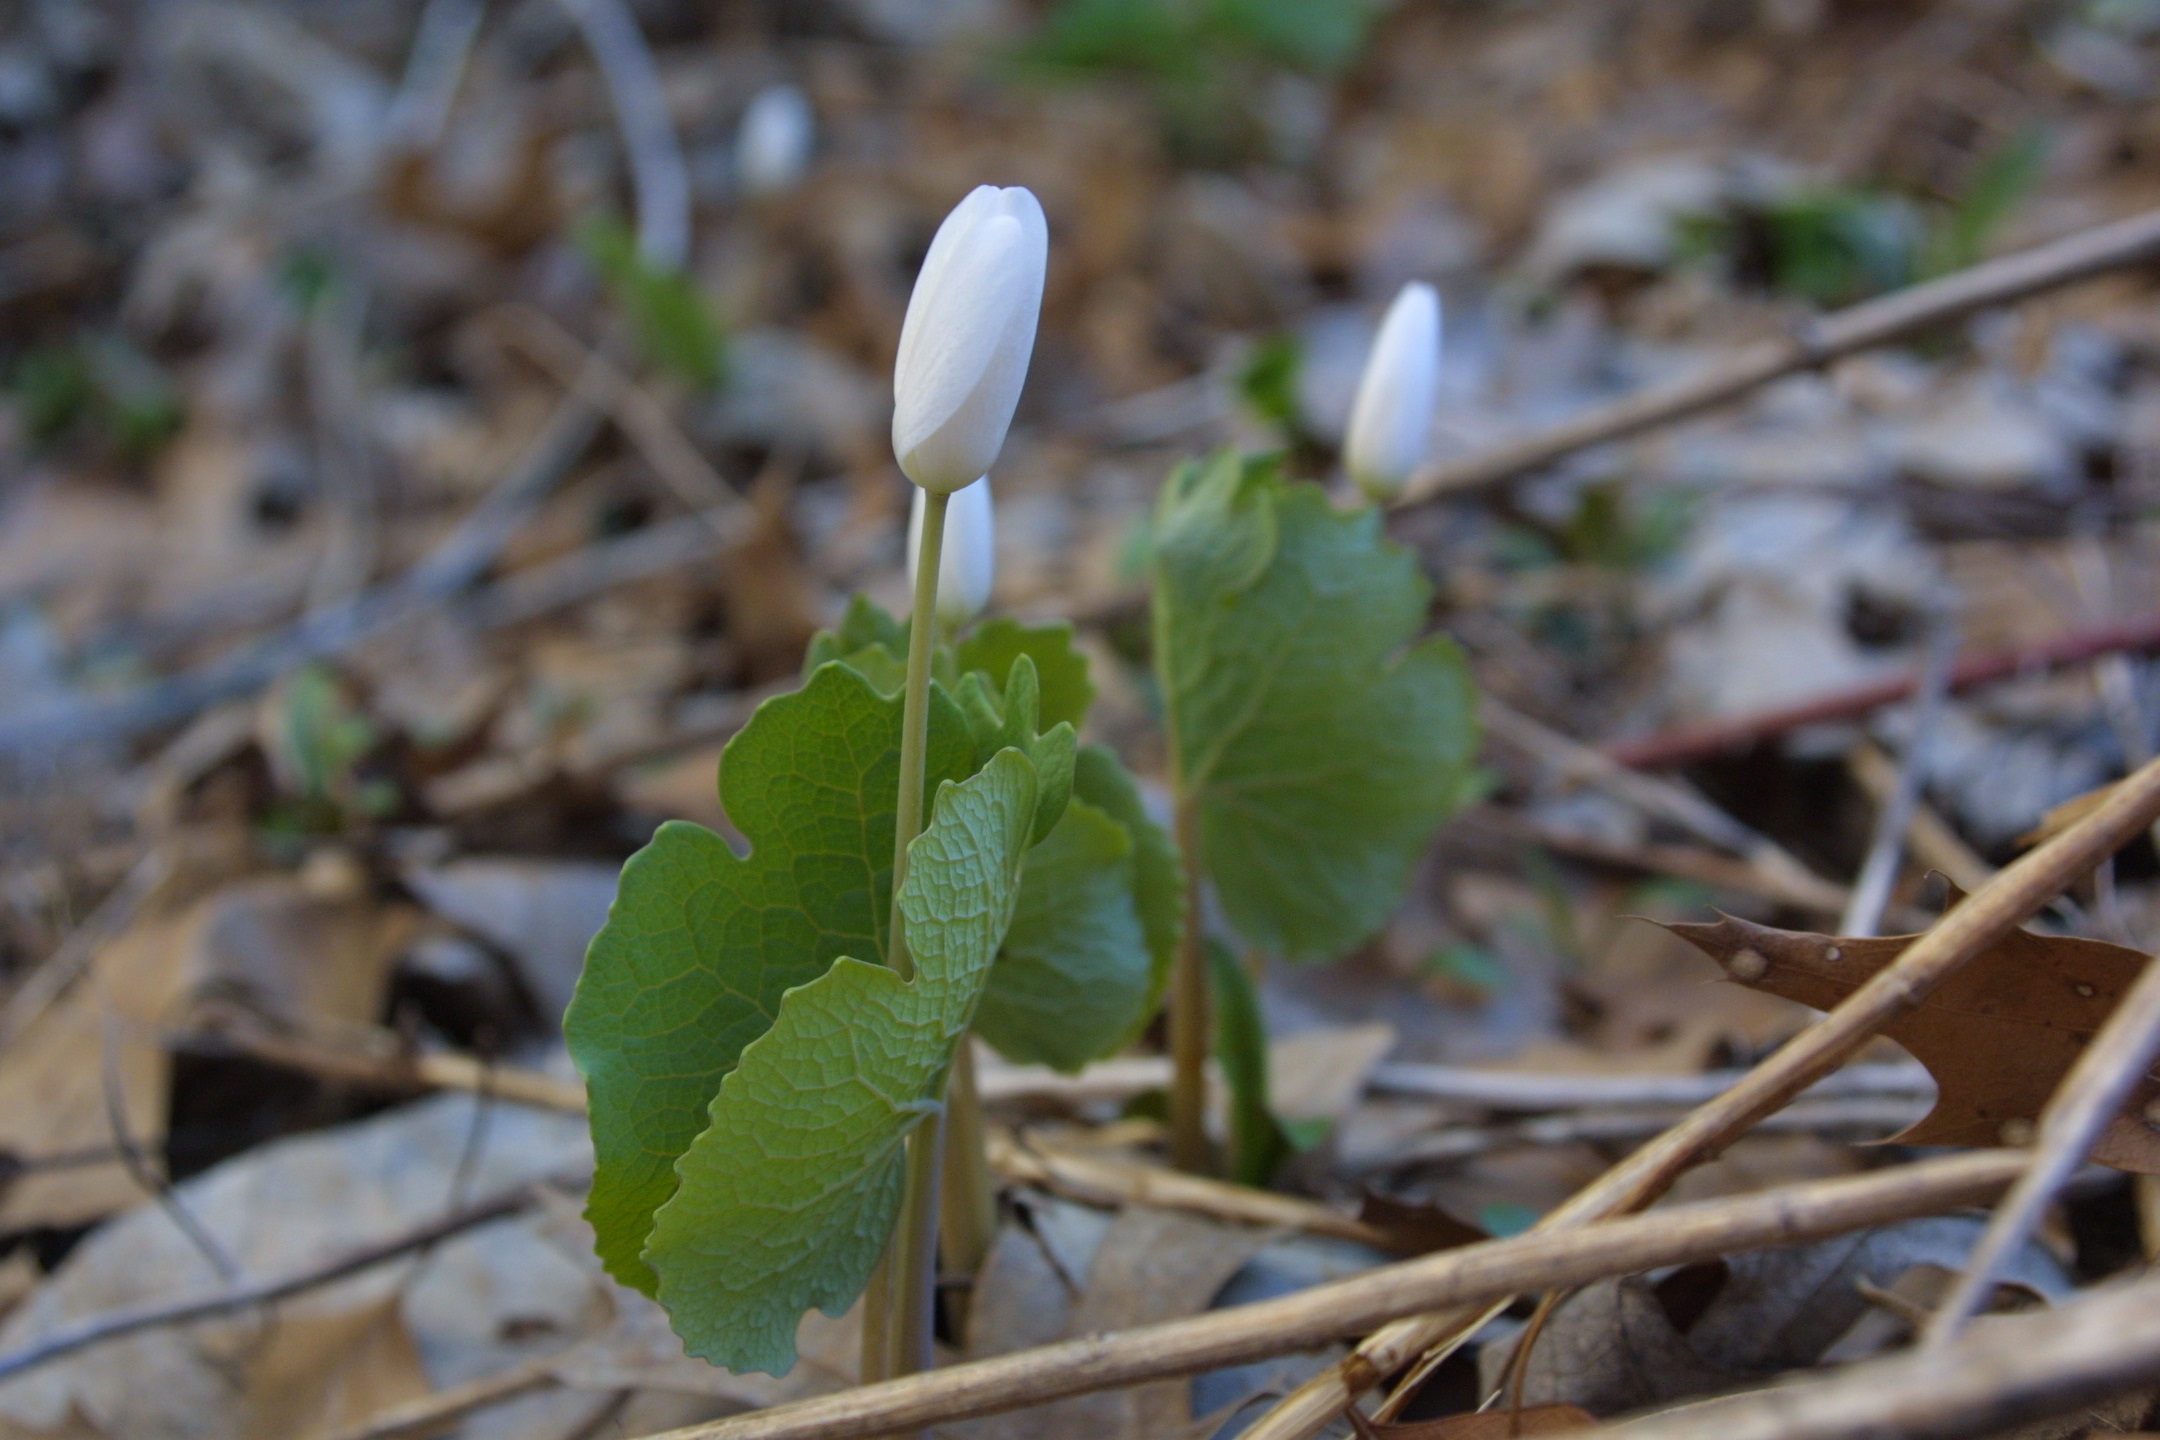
478	1303
1997	1036
1481	1425
1620	1345
1320	1074
318	949
325	1370
1148	1265
1417	1228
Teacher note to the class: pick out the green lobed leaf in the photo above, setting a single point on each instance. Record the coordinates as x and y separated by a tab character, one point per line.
701	944
1090	949
1011	722
1074	971
1158	878
1322	742
788	1197
869	640
994	645
1101	902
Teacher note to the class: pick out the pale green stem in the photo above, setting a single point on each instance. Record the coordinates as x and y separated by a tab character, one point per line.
1189	1019
968	1207
909	1269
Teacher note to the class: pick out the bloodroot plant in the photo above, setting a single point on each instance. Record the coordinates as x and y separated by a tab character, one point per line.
783	1108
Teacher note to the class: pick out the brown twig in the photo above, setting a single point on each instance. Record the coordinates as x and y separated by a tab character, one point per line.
1886	848
2108	1072
1099	1180
388	1066
1651	794
432	1414
1313	1318
1804	892
659	179
2017	1368
1687	744
1469	1085
630	405
1529	1090
1934	844
1957	938
1877	1116
1903	313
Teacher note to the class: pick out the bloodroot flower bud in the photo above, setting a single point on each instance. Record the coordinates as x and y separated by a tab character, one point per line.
772	148
969	562
1393	413
969	331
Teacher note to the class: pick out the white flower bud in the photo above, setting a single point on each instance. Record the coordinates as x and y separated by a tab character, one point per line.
969	331
968	562
772	145
1393	414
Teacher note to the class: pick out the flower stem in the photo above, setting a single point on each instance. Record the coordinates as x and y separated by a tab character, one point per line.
909	1269
968	1200
1189	1020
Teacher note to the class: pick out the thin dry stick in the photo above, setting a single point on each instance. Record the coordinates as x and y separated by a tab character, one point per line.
61	969
630	405
433	1414
604	565
1524	1090
1965	932
1650	794
1704	740
1519	1090
387	1066
1895	316
1097	1180
434	67
2105	1076
1874	1117
2014	1369
1704	867
1934	843
1316	1317
1886	850
658	176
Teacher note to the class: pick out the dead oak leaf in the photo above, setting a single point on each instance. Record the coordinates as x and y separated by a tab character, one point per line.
1998	1035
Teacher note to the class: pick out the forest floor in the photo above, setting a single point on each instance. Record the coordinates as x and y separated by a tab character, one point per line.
388	543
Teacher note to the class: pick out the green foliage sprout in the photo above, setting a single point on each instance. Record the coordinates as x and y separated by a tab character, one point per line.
1197	59
674	325
760	1070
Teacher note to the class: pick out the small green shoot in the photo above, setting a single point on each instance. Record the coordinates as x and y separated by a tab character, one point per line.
675	327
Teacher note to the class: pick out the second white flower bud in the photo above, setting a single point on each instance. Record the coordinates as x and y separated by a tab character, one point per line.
968	565
772	147
1393	414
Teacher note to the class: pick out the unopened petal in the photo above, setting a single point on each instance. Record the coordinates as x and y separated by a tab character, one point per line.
772	147
967	565
969	332
1393	414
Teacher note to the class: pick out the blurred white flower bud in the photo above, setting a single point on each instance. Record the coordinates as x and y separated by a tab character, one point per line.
772	145
968	563
969	331
1393	414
